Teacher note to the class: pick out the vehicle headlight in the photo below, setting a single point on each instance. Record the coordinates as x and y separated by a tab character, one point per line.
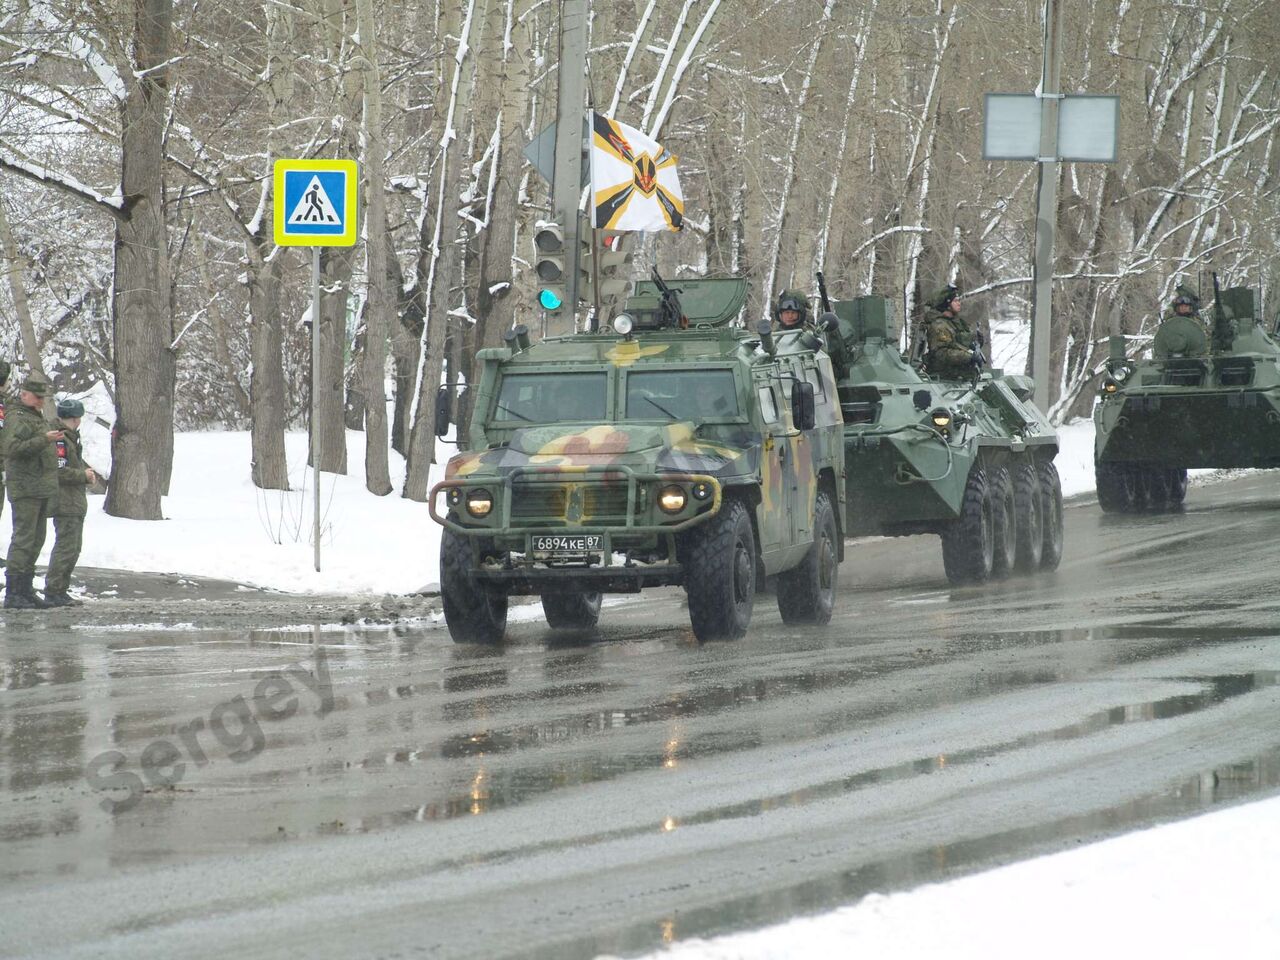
1110	385
701	490
672	499
454	496
623	324
1121	374
479	503
941	417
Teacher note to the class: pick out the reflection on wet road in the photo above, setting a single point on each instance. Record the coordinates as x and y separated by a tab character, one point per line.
385	792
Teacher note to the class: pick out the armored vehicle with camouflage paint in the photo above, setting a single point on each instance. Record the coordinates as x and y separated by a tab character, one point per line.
970	460
1202	398
673	450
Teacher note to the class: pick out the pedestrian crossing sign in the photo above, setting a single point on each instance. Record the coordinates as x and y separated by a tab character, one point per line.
315	203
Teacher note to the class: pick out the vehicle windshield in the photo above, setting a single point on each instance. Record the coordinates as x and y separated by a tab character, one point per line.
551	397
681	395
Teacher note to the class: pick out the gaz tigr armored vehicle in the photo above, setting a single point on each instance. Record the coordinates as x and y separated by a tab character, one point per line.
671	450
1203	398
970	460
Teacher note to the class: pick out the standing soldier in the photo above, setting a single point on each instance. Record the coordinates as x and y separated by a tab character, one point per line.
31	468
953	350
71	506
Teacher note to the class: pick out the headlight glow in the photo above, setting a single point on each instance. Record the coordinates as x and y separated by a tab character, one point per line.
623	324
941	417
672	499
479	503
1110	386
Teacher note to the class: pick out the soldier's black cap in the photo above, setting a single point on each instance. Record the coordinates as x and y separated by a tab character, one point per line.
70	409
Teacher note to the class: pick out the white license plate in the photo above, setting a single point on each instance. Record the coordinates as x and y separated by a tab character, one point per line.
581	543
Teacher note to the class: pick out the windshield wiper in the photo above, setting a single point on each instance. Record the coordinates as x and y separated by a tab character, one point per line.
659	406
516	413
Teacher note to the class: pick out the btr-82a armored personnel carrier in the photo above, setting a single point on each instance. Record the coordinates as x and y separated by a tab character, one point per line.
670	450
1203	398
969	460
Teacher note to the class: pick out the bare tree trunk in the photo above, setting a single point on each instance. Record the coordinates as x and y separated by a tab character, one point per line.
18	289
443	275
145	367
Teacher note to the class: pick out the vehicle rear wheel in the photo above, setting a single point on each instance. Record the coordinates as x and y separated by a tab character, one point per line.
967	544
1117	487
571	611
719	560
1029	505
473	613
1177	488
1004	523
1051	498
807	593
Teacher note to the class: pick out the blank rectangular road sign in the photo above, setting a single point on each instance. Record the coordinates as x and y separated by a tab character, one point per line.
315	203
1088	127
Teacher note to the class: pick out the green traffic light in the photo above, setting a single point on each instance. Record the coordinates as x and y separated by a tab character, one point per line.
549	300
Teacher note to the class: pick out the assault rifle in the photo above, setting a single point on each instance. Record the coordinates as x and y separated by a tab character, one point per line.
670	310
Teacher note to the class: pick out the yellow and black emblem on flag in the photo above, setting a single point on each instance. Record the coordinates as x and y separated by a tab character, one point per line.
634	183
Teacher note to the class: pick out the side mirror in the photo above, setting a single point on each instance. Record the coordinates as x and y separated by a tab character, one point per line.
443	411
803	413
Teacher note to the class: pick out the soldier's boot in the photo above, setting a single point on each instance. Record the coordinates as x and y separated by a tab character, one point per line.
15	598
58	598
29	593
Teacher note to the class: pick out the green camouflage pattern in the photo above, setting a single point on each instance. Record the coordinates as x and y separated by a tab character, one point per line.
603	475
904	474
1201	399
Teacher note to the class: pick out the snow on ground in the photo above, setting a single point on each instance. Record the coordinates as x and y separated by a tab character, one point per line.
219	525
1204	887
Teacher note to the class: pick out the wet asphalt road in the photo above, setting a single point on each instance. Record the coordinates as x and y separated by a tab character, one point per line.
390	794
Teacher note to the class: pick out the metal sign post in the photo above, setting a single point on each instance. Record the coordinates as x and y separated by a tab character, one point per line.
315	206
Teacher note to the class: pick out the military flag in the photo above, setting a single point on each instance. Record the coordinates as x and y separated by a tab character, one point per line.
634	184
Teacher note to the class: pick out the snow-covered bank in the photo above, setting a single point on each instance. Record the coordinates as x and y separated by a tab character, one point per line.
218	524
1203	887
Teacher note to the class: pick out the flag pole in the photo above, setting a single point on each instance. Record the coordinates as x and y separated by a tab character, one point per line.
595	262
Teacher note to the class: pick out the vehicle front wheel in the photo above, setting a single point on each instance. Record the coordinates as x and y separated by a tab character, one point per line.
719	561
571	611
1051	497
967	544
472	613
1177	488
807	593
1117	487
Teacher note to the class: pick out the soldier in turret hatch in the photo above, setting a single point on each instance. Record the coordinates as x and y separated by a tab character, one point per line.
791	310
953	347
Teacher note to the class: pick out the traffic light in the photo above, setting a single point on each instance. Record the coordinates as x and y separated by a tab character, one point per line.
606	264
549	264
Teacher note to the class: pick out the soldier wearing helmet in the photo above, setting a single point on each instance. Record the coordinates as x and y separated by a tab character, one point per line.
954	352
791	312
1185	303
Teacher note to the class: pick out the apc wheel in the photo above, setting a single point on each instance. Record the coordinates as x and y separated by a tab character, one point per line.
1177	488
1051	498
1117	487
472	613
719	560
968	543
1004	524
1156	480
1029	504
807	593
571	611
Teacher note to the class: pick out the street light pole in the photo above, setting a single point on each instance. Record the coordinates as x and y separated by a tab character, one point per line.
1046	207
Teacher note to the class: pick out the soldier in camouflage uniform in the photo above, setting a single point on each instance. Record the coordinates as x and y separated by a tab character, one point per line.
31	468
791	310
72	505
953	352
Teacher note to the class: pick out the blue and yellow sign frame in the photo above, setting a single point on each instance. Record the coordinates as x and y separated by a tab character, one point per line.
326	217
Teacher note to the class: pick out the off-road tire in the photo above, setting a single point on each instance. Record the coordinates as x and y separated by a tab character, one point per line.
807	593
1177	488
571	611
1029	506
472	613
1051	498
1117	486
967	543
719	561
1005	524
1157	484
